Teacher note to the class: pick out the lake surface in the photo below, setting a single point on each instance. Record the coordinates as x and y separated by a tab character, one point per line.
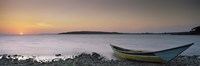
69	45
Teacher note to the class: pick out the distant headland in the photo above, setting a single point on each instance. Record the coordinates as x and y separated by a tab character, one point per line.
193	31
91	32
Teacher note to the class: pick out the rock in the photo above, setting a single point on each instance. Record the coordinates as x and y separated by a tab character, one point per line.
57	55
94	54
85	59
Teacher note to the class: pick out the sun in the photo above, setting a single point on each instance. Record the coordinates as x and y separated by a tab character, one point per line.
21	33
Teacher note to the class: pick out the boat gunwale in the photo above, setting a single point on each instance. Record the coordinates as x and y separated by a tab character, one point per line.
114	48
133	53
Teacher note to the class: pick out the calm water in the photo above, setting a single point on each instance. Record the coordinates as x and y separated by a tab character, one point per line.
68	45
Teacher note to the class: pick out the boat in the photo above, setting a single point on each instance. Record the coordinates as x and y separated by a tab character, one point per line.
162	56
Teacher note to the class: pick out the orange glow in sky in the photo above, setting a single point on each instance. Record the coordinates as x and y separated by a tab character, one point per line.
21	33
54	16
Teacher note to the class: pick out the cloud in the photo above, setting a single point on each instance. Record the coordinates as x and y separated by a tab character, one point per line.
44	25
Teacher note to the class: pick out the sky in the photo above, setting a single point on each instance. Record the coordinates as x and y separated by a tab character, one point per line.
135	16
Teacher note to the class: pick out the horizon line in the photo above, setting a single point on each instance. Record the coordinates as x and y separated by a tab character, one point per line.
91	31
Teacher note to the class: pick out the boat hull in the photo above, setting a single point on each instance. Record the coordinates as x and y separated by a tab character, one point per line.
139	57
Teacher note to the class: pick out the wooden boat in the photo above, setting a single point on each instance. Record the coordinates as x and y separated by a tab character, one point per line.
162	56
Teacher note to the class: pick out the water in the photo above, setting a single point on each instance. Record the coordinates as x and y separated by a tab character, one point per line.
46	46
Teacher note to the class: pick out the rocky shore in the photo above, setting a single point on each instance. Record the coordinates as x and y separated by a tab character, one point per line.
94	59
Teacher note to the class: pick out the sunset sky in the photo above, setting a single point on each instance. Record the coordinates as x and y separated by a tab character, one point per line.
54	16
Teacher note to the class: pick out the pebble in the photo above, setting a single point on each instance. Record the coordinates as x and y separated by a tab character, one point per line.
96	59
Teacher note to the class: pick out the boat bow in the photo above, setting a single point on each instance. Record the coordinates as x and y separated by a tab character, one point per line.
169	54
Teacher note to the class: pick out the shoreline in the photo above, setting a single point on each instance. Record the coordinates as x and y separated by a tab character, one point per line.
93	59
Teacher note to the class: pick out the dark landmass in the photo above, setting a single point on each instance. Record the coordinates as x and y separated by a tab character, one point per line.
94	59
180	33
193	31
90	32
102	32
